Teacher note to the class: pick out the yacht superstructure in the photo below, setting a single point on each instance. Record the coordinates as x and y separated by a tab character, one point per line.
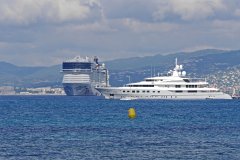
175	85
82	75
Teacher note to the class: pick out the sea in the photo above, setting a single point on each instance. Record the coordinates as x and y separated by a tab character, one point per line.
92	128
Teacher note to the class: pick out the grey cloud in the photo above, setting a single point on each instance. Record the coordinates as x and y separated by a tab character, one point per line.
25	12
134	9
189	9
48	31
170	10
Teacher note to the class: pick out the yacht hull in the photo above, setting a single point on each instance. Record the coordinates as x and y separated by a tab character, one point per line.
116	93
173	86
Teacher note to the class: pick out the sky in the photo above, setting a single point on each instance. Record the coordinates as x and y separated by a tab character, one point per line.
47	32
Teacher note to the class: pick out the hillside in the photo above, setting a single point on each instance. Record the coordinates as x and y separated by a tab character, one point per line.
159	60
199	63
196	64
12	75
226	79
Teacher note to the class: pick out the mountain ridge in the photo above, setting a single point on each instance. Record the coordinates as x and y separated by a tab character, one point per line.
158	59
198	63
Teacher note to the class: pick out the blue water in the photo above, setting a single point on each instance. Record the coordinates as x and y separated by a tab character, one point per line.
59	127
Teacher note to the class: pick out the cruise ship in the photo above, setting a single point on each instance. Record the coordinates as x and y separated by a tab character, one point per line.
174	85
82	75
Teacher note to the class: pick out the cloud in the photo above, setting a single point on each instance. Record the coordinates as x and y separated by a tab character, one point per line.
49	31
140	27
132	9
237	12
25	12
188	9
99	27
226	28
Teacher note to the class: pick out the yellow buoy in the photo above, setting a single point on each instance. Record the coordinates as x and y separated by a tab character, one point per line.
131	113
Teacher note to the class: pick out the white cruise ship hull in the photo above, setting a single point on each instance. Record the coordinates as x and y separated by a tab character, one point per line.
81	76
117	93
80	89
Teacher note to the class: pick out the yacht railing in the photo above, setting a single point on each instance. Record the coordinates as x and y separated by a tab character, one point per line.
75	70
195	80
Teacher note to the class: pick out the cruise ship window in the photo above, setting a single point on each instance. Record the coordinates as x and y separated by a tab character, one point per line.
133	91
147	91
123	91
158	91
127	91
143	91
137	91
153	91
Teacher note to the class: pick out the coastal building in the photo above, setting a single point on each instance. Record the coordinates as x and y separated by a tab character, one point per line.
7	90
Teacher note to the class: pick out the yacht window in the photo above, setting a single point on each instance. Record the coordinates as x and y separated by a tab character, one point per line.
137	91
186	80
178	91
143	91
153	91
147	91
193	91
177	86
123	91
133	91
127	91
141	85
191	86
158	91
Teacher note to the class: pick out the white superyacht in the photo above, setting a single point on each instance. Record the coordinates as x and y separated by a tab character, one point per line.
82	75
175	85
